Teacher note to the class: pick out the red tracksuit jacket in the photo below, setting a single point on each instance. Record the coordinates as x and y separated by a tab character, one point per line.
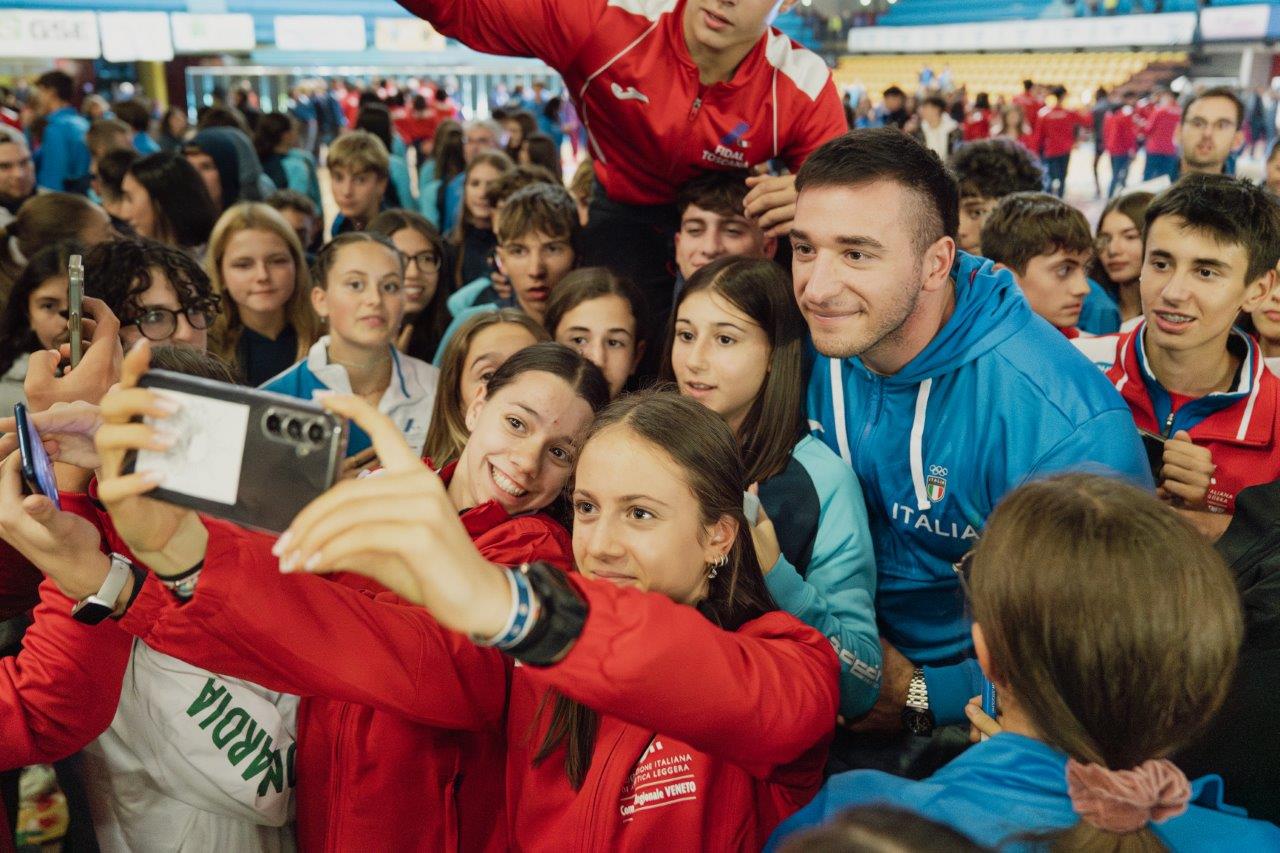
62	690
708	738
1055	132
1161	130
1120	132
375	770
651	124
1239	427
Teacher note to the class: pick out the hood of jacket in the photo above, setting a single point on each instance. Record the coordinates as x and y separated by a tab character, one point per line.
239	170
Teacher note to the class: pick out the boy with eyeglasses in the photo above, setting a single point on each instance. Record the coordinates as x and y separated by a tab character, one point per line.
158	292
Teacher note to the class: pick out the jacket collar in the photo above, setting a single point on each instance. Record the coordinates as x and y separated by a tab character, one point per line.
476	519
335	378
1244	415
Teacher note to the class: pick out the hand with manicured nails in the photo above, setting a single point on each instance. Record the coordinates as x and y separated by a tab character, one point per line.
63	545
148	526
771	203
400	528
98	370
764	537
66	430
1187	472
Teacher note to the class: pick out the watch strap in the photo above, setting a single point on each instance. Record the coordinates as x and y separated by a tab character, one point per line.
102	603
563	612
918	692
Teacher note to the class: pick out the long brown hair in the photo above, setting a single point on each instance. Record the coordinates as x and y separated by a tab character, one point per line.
1132	205
430	323
775	422
1115	625
257	216
42	220
458	237
701	445
447	434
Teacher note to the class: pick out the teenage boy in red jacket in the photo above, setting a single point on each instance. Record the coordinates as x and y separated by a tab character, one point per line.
1212	243
665	89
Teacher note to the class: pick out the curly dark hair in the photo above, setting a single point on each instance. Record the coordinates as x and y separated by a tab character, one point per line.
119	273
995	168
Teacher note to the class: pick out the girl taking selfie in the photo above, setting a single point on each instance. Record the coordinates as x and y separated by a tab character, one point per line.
602	707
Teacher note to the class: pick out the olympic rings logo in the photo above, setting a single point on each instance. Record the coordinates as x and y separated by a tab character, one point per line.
937	471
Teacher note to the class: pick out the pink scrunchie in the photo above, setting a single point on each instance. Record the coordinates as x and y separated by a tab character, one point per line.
1126	800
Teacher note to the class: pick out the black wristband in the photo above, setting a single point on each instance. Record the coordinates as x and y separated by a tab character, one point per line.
560	622
183	575
139	578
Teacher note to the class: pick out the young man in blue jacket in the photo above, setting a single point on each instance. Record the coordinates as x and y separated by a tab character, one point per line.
62	161
944	391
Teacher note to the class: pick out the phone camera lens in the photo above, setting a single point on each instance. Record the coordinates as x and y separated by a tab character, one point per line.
316	432
273	423
293	427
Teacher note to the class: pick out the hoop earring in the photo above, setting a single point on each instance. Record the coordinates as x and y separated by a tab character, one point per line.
717	564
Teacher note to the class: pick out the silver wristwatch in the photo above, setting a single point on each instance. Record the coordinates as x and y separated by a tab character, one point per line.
916	716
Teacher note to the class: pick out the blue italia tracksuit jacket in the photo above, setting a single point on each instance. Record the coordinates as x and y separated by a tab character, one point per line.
1010	785
997	398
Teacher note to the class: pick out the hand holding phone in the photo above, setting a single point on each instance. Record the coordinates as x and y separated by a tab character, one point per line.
37	470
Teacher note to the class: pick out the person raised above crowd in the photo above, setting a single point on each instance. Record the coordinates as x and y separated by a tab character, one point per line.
1046	244
665	90
1088	719
910	333
1191	379
734	345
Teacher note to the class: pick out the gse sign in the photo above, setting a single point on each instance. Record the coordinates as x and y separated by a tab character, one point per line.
61	35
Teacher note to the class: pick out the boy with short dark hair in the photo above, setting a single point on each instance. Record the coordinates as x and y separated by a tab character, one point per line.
1210	251
987	171
714	223
537	230
1046	244
359	168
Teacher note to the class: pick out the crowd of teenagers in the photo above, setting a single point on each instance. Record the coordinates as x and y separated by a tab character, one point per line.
701	502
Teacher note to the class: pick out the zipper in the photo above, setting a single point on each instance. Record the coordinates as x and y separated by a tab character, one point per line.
590	826
873	413
1168	424
697	105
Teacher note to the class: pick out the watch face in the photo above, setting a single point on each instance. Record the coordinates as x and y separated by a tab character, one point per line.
90	612
917	722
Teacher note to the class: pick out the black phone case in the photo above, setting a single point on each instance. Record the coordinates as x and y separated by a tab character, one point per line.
275	481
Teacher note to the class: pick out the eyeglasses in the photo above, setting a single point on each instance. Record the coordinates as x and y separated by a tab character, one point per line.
158	324
424	260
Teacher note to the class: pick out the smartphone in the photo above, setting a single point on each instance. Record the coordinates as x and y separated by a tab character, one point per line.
75	302
990	706
37	469
1153	443
252	457
751	508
